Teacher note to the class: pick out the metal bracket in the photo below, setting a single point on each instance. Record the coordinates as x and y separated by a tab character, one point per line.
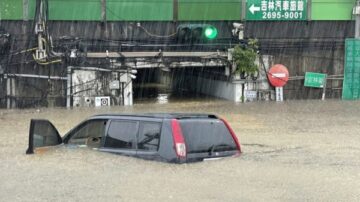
39	28
40	54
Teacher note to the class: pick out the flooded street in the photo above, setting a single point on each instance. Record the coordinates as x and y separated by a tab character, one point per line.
292	151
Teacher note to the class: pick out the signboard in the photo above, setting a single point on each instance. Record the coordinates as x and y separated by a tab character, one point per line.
115	85
315	80
276	10
351	84
251	95
102	101
278	75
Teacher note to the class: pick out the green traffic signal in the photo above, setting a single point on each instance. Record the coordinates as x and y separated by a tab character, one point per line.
195	33
210	32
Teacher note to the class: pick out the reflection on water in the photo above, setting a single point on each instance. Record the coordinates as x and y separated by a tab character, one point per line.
162	98
152	91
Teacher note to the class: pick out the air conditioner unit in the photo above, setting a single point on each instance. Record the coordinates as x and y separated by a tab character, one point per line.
102	101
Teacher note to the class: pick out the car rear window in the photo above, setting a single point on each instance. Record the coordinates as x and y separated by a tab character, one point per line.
149	136
206	135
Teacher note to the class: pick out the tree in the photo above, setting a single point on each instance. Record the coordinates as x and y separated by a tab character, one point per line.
244	60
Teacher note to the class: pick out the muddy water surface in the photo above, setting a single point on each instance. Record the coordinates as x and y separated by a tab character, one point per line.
294	151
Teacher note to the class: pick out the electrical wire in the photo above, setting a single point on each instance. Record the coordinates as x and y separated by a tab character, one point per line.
23	51
157	36
40	62
143	28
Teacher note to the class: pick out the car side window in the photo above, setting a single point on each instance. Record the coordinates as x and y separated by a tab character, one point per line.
149	136
89	133
121	134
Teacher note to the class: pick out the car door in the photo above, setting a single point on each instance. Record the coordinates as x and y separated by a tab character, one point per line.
121	137
42	133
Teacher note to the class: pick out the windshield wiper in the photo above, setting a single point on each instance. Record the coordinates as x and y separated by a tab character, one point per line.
149	137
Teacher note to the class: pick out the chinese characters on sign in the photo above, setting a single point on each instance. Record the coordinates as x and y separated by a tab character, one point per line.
276	10
315	80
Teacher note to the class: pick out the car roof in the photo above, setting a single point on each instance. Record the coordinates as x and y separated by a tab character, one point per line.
158	115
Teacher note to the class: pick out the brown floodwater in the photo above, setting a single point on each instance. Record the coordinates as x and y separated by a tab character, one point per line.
292	151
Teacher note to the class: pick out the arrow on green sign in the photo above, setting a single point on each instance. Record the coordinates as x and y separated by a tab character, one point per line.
254	8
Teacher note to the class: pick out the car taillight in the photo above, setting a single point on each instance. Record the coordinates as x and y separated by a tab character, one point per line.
232	134
179	142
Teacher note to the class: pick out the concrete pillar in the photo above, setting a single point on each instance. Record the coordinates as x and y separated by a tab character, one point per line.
69	87
128	92
126	89
237	92
115	88
8	92
356	12
357	26
13	92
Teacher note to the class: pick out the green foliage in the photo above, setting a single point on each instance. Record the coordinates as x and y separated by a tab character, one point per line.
244	58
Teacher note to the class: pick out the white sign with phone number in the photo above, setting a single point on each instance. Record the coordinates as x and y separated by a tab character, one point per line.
276	9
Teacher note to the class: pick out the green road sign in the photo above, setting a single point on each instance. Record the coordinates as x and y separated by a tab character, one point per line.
315	80
276	10
351	84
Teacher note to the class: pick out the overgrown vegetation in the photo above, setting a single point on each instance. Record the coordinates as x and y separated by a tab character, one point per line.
244	58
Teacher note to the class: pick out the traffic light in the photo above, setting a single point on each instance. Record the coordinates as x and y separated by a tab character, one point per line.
193	33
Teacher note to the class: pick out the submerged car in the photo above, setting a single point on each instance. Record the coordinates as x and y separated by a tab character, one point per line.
177	138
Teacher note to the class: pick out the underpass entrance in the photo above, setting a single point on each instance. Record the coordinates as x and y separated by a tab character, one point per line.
163	85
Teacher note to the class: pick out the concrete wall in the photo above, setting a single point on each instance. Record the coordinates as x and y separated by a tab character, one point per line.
229	88
221	89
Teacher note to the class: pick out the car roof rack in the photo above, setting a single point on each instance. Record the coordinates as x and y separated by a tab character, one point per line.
162	115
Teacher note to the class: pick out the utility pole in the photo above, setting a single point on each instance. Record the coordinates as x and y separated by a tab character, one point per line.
356	12
40	53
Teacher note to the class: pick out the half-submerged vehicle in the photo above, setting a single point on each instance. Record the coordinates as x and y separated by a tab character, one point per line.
176	138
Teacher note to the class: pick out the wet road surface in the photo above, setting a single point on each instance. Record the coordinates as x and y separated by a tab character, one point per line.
293	151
